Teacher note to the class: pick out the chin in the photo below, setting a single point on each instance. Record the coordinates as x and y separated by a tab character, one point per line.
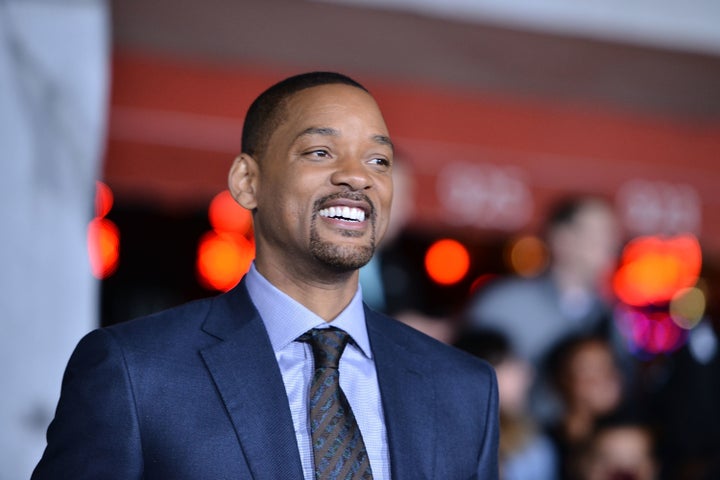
342	258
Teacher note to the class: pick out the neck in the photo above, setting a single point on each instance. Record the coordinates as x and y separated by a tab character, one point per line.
325	293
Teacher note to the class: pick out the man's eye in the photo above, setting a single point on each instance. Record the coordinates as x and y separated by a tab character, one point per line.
319	153
383	162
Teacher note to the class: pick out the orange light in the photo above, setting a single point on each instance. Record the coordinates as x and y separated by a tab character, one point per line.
223	259
103	247
103	199
527	255
653	269
226	215
447	261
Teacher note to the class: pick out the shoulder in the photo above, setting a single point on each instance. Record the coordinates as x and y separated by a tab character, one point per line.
430	353
183	328
179	320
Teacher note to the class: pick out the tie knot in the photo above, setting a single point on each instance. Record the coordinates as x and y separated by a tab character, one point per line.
327	345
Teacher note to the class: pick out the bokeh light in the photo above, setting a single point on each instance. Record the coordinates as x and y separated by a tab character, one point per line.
687	307
653	269
447	261
481	282
649	331
526	255
103	247
103	199
223	259
103	235
226	215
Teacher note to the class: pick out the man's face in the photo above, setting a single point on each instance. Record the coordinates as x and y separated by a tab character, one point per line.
324	184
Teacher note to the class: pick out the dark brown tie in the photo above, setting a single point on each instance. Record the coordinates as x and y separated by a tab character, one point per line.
338	448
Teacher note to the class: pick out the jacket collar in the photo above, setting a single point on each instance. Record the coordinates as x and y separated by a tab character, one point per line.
248	379
408	398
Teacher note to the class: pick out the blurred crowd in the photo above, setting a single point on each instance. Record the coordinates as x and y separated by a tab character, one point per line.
579	400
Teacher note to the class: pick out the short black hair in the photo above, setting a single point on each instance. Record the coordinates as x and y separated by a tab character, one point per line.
266	113
565	210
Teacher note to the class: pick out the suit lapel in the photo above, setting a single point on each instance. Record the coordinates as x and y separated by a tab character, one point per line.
408	399
245	371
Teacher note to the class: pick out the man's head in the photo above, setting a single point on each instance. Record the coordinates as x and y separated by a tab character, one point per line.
316	172
269	109
621	450
584	238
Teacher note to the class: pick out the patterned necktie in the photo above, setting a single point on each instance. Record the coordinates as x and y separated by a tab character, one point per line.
338	447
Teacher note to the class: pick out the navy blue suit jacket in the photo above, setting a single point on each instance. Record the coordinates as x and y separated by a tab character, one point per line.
195	393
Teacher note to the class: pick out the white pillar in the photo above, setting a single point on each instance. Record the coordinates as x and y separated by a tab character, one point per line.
53	104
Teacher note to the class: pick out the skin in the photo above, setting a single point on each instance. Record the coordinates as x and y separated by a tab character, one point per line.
622	451
593	389
331	150
585	251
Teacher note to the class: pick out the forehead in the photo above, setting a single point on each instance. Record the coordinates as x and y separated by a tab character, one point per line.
334	103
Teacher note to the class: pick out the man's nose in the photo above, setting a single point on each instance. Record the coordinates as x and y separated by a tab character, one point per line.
352	172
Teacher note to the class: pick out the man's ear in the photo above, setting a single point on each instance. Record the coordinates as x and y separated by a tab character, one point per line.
243	181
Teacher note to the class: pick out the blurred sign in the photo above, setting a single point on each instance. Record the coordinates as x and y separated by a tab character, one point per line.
651	207
484	195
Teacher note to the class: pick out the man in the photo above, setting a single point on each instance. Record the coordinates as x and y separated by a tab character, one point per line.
226	387
536	314
583	238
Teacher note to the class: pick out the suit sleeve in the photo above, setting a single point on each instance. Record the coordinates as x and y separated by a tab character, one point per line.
95	431
488	460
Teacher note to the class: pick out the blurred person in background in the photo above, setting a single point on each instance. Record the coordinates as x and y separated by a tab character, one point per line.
584	372
620	451
54	73
685	405
583	239
526	453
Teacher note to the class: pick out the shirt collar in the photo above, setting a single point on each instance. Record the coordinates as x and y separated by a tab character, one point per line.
286	319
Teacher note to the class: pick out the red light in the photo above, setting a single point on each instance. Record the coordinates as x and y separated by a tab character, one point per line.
226	215
447	261
103	247
103	199
481	282
653	269
223	259
103	235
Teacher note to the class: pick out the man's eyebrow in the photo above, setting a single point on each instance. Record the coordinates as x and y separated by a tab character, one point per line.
384	140
318	131
328	131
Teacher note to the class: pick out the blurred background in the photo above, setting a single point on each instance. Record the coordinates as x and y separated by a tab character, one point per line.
499	110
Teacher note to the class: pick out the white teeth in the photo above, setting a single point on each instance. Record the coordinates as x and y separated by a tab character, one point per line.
345	213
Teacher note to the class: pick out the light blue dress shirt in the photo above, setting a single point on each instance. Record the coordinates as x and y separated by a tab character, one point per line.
285	320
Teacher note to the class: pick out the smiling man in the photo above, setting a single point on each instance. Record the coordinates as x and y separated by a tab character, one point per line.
289	375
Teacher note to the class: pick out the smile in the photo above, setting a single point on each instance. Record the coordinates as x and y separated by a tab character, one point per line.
350	214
